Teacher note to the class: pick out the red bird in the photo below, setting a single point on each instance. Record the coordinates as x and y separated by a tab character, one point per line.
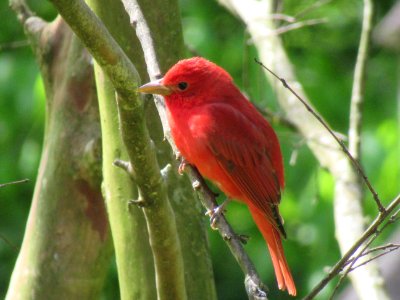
220	132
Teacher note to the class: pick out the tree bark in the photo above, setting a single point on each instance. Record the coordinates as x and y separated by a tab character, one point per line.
66	249
124	78
348	214
130	237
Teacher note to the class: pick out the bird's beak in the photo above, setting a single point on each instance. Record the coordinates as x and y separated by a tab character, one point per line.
155	87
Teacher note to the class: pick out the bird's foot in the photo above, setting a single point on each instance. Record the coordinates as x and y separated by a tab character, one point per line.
216	213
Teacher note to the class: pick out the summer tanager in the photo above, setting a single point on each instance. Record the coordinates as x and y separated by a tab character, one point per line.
220	132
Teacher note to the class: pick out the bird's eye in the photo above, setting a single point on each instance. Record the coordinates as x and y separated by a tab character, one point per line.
182	86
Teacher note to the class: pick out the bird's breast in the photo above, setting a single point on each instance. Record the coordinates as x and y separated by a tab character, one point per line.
191	140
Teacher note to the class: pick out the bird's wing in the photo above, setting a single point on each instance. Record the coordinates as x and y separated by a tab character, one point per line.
243	152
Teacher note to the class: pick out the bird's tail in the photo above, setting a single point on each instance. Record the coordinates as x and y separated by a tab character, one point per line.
274	243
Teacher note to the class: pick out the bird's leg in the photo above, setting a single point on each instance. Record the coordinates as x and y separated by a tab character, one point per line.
216	213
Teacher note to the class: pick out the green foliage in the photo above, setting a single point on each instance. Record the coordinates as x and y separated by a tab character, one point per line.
324	57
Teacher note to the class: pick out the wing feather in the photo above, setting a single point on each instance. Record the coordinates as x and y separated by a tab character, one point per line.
243	152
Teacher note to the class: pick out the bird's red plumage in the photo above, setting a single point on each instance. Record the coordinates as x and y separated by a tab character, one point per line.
220	132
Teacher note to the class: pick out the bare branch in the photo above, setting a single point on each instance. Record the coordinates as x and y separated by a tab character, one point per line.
255	15
350	194
372	229
337	139
283	17
314	6
14	182
347	269
275	118
33	25
357	95
254	287
298	25
22	10
14	45
124	165
9	243
387	249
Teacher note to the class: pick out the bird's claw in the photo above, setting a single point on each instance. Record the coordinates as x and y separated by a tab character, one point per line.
215	213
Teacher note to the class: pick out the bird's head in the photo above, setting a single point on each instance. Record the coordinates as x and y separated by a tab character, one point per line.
189	79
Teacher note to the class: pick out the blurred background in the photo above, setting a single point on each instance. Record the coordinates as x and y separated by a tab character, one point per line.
323	56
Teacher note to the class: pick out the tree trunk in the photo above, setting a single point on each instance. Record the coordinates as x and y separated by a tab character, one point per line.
66	249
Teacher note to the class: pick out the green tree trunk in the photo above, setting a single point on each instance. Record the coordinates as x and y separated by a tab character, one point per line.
66	249
69	136
187	209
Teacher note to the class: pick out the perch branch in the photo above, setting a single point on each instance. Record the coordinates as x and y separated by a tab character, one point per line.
312	7
254	287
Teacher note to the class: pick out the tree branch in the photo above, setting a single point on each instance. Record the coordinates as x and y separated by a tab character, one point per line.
386	248
337	139
14	45
21	9
368	282
33	25
298	25
357	95
254	286
14	182
66	248
325	147
160	217
372	229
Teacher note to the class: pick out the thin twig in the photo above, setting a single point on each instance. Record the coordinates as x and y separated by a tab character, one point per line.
283	17
254	286
298	25
357	95
9	243
375	249
14	45
124	165
312	7
22	10
367	234
276	118
14	182
348	268
339	141
387	251
348	209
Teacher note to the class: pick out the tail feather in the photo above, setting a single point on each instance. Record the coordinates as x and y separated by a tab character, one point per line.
274	243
